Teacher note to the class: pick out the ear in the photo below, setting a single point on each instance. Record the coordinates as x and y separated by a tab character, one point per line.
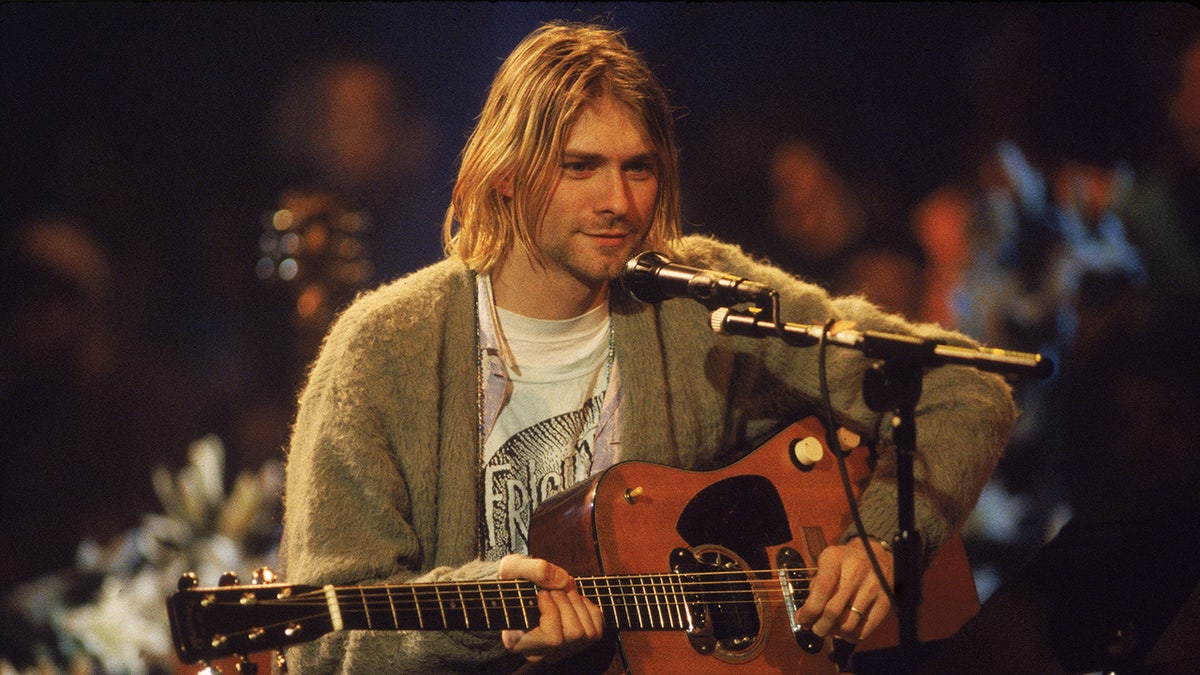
504	185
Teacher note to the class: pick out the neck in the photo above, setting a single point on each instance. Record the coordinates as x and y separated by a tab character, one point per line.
539	294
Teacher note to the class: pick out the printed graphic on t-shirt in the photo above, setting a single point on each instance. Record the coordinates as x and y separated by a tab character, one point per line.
531	466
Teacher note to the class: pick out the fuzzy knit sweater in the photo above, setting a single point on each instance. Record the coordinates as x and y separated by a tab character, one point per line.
382	465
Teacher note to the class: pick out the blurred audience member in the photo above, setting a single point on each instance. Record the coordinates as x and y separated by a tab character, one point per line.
814	214
1162	208
888	274
85	412
836	232
941	224
347	127
348	203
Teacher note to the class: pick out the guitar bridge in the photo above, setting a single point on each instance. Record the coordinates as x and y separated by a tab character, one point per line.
793	582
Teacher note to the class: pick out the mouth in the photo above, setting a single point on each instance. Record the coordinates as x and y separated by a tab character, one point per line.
609	238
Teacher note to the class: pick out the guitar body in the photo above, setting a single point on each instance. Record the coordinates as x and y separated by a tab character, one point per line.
629	518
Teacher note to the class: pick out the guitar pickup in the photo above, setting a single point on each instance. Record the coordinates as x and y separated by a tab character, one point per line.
699	629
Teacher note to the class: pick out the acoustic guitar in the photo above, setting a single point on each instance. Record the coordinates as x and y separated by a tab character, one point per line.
697	572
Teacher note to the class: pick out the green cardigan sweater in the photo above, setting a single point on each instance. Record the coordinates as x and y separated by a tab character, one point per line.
382	465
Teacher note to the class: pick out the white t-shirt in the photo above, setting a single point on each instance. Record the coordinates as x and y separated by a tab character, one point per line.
543	438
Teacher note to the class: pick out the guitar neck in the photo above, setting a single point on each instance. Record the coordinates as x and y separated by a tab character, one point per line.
217	622
639	602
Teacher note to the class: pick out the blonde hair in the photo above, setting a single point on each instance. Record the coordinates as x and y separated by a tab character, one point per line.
535	99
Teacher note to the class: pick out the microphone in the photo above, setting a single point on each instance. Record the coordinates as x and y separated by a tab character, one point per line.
650	278
879	345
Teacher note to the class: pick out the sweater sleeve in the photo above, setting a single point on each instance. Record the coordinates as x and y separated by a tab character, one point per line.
963	418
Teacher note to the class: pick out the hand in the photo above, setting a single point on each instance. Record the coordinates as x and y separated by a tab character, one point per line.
845	596
569	622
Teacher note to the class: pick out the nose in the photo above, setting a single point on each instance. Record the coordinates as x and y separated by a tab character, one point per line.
613	196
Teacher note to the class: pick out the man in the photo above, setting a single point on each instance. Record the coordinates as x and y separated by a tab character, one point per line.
444	406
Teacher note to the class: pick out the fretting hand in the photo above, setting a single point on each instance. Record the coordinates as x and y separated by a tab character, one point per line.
569	622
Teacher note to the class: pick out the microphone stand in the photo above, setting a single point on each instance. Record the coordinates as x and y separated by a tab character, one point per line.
893	384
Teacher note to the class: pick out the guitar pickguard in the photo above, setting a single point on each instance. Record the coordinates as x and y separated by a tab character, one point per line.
742	513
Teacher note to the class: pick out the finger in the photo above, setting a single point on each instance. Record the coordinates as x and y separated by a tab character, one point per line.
596	617
820	588
852	621
878	613
570	627
511	638
540	572
588	616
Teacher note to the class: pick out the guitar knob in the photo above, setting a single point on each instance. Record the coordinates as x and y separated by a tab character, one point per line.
229	579
806	452
842	654
809	641
263	575
187	581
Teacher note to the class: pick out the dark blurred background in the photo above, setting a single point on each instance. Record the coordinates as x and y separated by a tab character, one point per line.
189	191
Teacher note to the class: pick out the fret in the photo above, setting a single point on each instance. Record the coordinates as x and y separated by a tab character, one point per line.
669	603
366	606
678	601
392	605
626	589
437	593
653	606
417	607
612	608
406	607
523	605
486	605
514	608
672	617
462	603
643	612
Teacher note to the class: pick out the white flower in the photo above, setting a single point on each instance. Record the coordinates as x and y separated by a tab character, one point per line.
126	628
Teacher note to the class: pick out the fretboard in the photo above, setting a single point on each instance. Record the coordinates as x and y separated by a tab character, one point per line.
642	602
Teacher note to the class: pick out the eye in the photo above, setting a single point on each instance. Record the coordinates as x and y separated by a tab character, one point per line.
578	168
640	170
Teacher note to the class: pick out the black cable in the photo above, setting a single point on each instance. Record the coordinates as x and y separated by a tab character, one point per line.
835	446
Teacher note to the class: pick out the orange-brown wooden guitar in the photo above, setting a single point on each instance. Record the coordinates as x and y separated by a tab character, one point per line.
696	572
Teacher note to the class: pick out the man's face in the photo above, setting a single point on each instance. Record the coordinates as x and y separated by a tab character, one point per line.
602	203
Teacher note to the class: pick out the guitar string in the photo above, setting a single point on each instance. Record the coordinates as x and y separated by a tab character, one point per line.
669	622
641	591
649	596
753	574
519	585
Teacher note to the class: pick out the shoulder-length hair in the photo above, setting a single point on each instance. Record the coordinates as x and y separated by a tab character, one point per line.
518	140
